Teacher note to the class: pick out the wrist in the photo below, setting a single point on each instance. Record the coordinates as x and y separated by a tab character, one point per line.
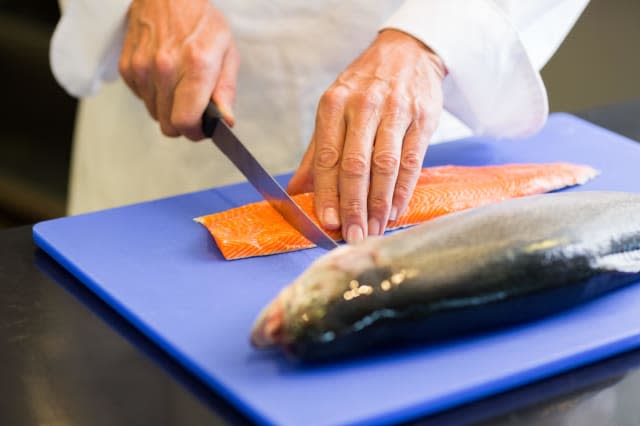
390	35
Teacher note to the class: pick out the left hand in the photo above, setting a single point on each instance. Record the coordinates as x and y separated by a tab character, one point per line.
373	126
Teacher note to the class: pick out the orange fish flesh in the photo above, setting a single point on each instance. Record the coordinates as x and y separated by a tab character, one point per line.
257	229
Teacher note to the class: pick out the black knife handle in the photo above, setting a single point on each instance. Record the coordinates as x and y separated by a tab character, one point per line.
210	119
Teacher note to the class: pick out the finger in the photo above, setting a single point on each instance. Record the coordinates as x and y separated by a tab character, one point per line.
165	82
144	83
224	93
385	163
141	67
355	168
302	179
329	136
414	148
124	64
194	89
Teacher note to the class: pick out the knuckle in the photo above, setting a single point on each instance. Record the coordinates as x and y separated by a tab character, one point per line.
397	105
427	114
327	157
139	67
420	126
123	67
366	100
197	59
421	116
378	205
427	124
411	162
354	166
402	191
385	164
421	113
334	98
163	63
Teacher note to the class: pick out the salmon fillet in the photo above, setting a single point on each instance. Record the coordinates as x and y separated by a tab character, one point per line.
257	229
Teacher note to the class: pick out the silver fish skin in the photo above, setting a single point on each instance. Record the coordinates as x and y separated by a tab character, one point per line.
466	272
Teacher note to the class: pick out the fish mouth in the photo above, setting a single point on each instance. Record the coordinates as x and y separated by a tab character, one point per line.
268	328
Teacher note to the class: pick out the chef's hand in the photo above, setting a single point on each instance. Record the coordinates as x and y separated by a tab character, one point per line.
372	129
177	55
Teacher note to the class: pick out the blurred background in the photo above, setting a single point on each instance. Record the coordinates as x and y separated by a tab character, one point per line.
597	65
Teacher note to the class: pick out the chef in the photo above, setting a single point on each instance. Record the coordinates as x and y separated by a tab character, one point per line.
350	92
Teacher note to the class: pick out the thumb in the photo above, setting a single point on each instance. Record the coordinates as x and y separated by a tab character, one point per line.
302	179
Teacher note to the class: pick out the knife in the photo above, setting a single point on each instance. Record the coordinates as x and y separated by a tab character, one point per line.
213	126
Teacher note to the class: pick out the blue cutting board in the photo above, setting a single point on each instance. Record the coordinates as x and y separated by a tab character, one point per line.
163	273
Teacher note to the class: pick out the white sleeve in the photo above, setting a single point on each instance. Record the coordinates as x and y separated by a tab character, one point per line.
493	51
86	44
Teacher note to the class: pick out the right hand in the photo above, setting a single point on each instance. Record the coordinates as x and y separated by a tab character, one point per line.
177	56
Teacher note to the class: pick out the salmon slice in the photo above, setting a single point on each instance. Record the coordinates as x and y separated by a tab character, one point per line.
257	229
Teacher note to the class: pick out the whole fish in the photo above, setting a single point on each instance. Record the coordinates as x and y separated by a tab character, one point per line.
466	272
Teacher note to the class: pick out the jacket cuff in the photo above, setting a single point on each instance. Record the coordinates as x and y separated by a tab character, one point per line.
86	45
492	85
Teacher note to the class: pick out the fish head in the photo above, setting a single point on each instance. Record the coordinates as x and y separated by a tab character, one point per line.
302	305
268	328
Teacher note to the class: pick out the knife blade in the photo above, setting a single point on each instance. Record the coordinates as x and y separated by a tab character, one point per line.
213	126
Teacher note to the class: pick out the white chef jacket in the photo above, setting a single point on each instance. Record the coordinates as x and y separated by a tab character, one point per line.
291	51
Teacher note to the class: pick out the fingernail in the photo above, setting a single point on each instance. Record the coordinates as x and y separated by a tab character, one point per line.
374	226
394	214
354	233
330	218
